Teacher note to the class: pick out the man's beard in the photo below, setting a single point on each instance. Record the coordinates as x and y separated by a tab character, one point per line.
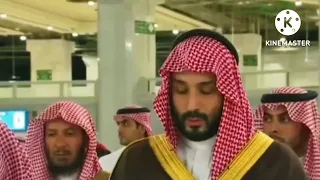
57	170
211	124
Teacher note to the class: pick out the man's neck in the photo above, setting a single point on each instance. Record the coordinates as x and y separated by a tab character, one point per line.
197	156
69	176
73	176
199	144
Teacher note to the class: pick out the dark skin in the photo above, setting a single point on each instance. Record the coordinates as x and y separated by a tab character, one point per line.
279	126
129	131
195	96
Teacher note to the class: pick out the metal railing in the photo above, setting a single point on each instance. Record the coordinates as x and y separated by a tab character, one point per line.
261	80
47	89
253	81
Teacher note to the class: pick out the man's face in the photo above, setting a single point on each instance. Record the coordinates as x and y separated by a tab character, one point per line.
278	125
197	105
65	147
129	131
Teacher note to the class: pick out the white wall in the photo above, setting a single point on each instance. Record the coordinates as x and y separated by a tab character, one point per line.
288	60
54	55
52	90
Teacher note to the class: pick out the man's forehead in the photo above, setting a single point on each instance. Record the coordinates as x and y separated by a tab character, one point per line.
60	124
277	111
193	77
123	119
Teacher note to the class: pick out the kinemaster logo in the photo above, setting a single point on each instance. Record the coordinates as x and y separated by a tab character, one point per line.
287	23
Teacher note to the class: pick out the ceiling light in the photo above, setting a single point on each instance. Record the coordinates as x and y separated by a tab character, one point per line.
240	3
129	45
269	4
3	16
247	2
23	38
298	3
75	34
91	3
50	28
156	25
175	31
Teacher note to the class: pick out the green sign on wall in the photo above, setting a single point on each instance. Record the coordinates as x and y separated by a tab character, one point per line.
44	74
250	60
143	27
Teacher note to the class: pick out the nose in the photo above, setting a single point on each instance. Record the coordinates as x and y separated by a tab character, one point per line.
193	101
60	142
120	129
274	127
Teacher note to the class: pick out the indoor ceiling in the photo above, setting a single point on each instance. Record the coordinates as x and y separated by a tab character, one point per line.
43	19
243	14
62	17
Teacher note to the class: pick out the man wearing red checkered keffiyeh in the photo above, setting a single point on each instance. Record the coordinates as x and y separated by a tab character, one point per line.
290	115
61	144
134	123
13	161
208	122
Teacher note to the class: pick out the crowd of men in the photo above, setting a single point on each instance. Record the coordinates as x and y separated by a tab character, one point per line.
211	132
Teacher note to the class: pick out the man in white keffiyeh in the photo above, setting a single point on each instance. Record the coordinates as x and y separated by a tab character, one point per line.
134	123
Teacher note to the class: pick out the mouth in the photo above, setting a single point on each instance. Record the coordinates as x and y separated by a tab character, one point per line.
195	122
62	154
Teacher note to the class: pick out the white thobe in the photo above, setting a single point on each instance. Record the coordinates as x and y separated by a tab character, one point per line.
108	162
68	177
197	156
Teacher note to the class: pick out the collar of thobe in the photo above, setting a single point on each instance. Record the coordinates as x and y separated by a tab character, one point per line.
201	145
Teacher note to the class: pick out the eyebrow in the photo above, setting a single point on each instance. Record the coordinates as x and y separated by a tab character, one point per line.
123	121
65	129
281	114
178	81
207	82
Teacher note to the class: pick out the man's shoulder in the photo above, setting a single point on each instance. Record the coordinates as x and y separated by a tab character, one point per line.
271	147
283	151
140	144
277	162
107	162
113	154
279	154
143	144
103	175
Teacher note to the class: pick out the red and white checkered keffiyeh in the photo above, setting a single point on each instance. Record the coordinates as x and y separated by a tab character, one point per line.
35	148
206	55
13	161
305	112
142	118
